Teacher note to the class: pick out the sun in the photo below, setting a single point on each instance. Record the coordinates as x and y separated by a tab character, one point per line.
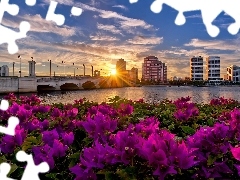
113	72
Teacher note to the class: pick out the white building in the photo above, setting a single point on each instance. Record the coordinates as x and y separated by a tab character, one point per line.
154	70
196	68
233	73
213	69
32	68
4	71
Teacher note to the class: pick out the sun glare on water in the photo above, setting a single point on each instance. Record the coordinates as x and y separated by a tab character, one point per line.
113	72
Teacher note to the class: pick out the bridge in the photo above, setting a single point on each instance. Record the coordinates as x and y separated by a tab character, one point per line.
65	83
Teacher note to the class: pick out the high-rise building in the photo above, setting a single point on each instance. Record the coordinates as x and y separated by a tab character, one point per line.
154	70
32	68
133	75
233	73
121	65
4	71
213	68
196	68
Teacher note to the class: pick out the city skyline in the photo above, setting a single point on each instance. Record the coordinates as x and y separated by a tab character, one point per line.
110	30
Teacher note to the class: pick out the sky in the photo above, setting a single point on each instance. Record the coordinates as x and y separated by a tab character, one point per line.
108	30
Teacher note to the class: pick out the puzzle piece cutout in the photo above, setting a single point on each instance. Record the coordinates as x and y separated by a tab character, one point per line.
9	36
30	2
10	129
4	105
12	121
12	9
76	11
209	10
31	171
4	170
59	19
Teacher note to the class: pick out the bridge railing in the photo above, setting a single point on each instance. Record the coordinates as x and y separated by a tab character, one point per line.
56	79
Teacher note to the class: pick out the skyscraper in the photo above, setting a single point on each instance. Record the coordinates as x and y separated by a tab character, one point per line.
4	71
196	68
121	65
154	70
32	68
233	73
213	68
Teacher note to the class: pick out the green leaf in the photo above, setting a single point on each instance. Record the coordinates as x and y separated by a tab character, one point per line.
72	163
13	168
210	122
51	175
211	160
75	155
3	159
188	130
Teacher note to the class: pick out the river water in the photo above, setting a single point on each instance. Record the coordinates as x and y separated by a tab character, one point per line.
148	93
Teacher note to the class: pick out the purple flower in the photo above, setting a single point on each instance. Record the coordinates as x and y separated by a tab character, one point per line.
81	173
59	150
44	109
99	127
43	154
20	135
56	113
125	109
8	144
68	138
45	124
235	152
33	125
72	113
48	137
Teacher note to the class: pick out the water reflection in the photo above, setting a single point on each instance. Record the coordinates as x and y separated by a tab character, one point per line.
148	93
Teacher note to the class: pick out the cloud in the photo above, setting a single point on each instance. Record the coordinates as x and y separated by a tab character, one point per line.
121	7
194	16
103	38
146	40
110	28
38	24
214	44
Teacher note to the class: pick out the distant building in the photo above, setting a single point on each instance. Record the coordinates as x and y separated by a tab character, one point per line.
213	68
196	68
154	70
233	73
97	73
225	77
133	75
32	68
121	65
187	79
175	78
4	71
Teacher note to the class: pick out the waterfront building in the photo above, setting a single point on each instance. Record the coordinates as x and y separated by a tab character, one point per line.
187	79
213	69
225	77
175	78
233	73
121	65
196	68
32	68
4	71
97	73
133	75
154	70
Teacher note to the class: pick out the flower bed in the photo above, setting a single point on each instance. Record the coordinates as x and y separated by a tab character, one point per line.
125	139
